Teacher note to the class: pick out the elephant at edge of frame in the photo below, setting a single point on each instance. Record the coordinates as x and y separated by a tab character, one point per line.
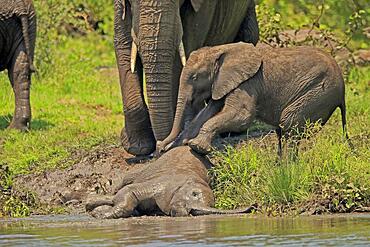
283	87
17	46
154	38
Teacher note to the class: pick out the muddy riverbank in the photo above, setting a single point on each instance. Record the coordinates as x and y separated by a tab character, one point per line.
99	170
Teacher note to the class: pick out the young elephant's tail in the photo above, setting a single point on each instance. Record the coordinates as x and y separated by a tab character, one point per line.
26	37
344	123
344	119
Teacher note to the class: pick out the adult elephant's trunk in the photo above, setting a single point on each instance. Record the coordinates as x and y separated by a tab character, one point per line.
209	210
159	37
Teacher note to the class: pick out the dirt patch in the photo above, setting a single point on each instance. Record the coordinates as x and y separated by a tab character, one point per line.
96	172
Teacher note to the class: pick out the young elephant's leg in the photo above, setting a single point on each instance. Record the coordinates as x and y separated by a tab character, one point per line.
127	199
236	116
311	107
124	204
203	116
20	78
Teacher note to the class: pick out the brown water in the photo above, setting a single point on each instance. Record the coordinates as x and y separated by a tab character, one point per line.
338	230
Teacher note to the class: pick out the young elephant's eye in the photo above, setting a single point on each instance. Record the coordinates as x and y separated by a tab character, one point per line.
195	194
194	77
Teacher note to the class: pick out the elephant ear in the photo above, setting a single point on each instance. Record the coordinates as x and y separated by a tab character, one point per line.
233	66
196	4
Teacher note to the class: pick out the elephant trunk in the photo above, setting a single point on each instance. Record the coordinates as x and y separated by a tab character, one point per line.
183	103
209	210
158	45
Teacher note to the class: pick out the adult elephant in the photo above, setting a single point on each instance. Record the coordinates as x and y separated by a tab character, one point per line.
153	37
17	45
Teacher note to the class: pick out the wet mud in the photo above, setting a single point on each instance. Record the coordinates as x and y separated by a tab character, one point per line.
97	172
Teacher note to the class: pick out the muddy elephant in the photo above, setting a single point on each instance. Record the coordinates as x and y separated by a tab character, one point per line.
154	37
283	87
175	185
17	45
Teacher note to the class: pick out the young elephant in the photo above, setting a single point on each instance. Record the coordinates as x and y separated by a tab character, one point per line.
176	184
17	45
283	87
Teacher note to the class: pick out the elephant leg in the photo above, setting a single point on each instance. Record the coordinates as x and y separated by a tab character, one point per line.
124	203
20	77
137	135
249	31
195	125
236	116
293	120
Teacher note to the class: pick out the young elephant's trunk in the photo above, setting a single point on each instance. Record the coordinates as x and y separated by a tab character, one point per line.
209	210
183	102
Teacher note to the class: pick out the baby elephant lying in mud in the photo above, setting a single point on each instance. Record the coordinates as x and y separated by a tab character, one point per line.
283	87
176	184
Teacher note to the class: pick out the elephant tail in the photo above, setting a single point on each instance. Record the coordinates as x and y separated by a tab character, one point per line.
344	124
27	43
344	119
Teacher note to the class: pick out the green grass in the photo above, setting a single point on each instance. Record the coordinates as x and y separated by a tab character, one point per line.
327	175
74	106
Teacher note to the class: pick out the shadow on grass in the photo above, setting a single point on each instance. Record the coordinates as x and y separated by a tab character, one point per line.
5	121
36	124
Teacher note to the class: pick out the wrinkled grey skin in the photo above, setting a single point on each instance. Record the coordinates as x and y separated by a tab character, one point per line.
283	87
17	45
175	185
156	28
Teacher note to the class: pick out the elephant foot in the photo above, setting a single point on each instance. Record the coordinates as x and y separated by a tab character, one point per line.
201	144
23	124
101	212
138	143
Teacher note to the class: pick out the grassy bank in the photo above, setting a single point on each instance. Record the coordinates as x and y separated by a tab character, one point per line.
76	104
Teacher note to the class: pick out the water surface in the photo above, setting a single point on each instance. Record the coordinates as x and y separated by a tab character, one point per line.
337	230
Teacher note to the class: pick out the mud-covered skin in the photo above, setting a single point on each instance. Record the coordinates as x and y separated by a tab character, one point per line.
176	185
283	87
17	45
156	28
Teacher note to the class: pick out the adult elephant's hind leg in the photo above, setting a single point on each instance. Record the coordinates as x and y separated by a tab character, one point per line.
20	78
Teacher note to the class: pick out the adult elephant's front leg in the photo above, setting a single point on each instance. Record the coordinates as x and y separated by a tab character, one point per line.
137	136
20	78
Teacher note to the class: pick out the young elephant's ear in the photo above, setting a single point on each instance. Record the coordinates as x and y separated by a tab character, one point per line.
196	4
233	66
